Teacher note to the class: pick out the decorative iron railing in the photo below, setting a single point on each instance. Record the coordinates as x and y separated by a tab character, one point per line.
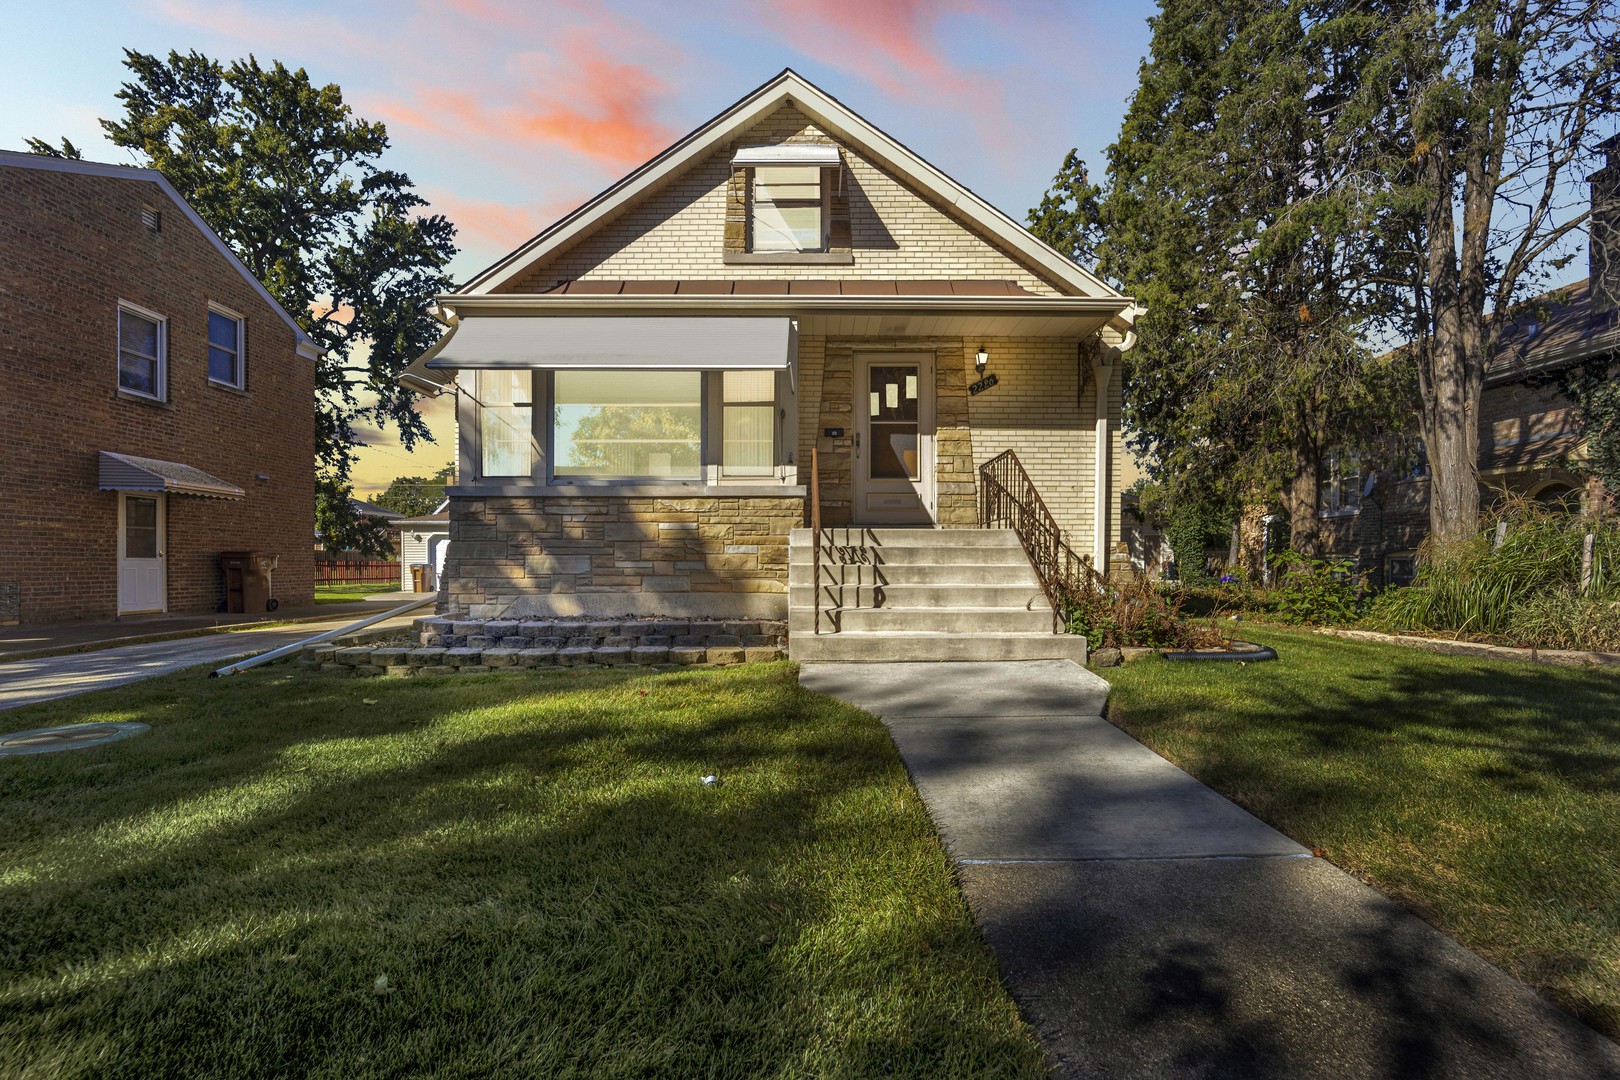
815	539
1008	499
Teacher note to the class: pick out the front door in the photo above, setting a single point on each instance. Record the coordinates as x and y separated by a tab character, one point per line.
143	582
894	439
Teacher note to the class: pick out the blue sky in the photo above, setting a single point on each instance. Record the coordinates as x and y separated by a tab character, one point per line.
508	114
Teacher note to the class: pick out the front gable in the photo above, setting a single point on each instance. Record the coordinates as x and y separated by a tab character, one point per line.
905	218
883	226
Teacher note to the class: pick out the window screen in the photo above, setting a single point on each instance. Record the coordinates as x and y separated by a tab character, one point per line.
506	422
748	423
787	209
225	349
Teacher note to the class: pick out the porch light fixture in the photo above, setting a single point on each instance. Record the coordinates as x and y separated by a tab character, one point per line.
980	359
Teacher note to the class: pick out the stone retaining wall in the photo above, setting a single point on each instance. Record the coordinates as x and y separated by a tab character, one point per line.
453	646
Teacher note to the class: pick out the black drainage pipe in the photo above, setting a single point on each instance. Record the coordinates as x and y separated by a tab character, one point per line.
1263	653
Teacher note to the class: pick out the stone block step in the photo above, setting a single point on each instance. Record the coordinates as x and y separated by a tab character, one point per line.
934	574
910	555
992	538
931	620
918	646
956	594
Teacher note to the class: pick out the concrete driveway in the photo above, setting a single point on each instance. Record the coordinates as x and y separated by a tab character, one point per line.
26	682
1149	927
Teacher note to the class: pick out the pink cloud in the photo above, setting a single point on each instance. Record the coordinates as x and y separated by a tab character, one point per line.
497	227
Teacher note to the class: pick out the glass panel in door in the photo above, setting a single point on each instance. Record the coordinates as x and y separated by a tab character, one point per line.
894	421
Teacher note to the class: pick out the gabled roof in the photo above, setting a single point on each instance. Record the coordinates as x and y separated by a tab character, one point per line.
1555	330
305	345
833	116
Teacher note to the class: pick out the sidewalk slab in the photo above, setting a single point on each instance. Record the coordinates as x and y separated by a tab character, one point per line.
1005	688
1251	969
1068	787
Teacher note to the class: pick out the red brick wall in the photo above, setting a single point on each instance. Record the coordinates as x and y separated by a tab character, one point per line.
71	247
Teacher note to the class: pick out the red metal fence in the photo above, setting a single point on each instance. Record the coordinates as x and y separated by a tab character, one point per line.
356	572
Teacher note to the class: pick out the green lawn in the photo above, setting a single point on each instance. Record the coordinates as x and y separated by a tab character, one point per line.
1484	795
348	594
505	875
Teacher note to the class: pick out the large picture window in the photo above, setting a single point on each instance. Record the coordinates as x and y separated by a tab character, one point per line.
788	209
507	422
628	424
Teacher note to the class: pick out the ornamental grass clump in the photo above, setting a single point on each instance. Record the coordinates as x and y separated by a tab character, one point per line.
1524	578
1135	613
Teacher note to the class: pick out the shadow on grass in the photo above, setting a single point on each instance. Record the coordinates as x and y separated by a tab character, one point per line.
534	870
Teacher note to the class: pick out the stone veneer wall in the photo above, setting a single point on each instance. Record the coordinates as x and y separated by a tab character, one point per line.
717	556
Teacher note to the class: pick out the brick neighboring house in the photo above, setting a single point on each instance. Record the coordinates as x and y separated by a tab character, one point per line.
640	387
1529	436
158	406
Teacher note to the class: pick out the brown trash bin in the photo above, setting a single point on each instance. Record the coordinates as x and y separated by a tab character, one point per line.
247	580
418	571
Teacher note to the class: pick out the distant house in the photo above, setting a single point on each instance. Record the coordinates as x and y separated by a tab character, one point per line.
1530	442
422	542
158	406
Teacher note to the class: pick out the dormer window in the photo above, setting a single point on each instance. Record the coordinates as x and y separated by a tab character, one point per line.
789	209
789	191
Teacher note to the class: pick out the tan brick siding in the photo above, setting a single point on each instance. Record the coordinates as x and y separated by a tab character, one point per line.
679	231
71	247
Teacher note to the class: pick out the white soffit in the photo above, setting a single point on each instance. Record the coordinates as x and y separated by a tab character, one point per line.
835	118
822	154
649	343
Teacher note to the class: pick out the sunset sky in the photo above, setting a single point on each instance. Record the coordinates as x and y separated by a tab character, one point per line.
507	115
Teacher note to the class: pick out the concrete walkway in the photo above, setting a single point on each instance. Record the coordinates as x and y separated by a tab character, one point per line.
1150	928
43	639
25	682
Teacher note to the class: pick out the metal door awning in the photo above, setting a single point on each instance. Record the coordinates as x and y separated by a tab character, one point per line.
126	472
628	343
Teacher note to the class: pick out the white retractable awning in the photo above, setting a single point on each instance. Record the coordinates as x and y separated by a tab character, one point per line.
126	472
788	154
651	343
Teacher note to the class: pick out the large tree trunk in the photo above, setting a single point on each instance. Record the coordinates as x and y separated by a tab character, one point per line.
1299	494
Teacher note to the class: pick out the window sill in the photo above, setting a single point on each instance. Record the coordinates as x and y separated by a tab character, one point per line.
1329	514
143	399
789	258
229	387
675	489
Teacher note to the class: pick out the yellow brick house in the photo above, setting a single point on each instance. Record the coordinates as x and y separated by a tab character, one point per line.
787	317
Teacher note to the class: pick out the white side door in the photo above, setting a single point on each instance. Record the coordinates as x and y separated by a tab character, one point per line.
143	580
894	439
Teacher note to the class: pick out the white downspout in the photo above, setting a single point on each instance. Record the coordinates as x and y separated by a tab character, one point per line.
1102	497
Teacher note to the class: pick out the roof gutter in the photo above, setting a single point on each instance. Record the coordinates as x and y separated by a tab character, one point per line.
1119	308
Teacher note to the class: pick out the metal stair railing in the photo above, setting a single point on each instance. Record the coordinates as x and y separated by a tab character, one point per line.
1008	499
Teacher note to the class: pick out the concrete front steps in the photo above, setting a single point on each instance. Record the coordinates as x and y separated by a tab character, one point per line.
892	595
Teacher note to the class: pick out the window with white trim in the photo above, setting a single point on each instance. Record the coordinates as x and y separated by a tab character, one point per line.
142	352
1338	492
627	425
227	335
788	211
506	422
